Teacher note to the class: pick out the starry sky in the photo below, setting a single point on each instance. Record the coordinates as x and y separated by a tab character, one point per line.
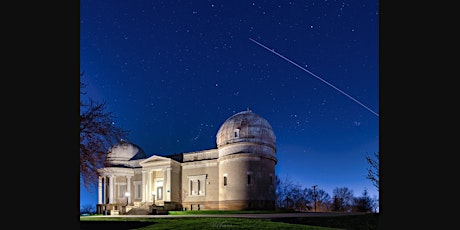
173	71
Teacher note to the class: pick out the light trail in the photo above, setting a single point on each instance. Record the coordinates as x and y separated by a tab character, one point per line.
314	75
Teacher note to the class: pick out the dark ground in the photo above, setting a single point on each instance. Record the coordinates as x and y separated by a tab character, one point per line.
350	222
113	225
359	222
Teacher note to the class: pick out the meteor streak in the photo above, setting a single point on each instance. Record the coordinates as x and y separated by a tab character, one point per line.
314	75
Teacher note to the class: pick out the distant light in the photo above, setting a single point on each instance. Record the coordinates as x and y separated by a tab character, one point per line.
127	194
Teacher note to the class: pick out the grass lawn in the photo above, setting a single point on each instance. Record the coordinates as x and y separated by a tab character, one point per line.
190	223
352	222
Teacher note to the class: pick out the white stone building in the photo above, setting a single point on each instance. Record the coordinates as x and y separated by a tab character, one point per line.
238	175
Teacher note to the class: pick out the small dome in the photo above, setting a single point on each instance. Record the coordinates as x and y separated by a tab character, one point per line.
245	126
124	151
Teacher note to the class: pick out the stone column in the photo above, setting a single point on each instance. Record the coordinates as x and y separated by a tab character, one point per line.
111	189
128	188
149	190
167	184
99	190
144	196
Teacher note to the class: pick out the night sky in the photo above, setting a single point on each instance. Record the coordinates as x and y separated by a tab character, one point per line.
173	71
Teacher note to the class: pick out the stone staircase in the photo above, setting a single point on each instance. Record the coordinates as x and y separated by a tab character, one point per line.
139	208
159	210
145	208
139	211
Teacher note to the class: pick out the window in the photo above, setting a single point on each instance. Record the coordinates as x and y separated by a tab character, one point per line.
159	188
121	190
160	193
197	185
249	177
236	133
137	190
225	179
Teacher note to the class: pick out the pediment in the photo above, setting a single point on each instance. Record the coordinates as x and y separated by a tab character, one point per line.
155	160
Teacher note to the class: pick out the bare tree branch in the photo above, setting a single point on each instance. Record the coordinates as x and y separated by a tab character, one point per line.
373	170
97	134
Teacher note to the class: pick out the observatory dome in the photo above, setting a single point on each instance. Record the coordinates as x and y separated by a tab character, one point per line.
123	152
245	126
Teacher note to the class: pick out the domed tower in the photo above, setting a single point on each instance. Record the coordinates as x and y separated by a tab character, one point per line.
123	154
246	145
115	177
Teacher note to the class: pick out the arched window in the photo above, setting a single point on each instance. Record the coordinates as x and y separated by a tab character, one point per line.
236	133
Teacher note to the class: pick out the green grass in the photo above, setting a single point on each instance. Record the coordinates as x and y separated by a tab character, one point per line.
219	212
352	222
367	221
190	223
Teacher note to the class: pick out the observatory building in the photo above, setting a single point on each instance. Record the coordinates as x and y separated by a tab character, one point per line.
237	175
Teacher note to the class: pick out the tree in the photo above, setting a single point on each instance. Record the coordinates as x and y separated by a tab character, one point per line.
97	134
299	199
293	196
364	203
337	204
284	193
87	209
323	199
373	170
375	203
342	199
373	174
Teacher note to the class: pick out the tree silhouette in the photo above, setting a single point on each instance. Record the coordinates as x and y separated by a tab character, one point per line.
323	199
87	209
97	134
284	192
342	200
364	203
373	170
